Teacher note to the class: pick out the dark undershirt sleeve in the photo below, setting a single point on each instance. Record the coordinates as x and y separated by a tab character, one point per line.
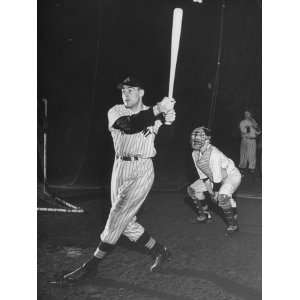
135	123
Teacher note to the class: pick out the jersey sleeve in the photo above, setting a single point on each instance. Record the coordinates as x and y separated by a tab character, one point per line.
140	121
254	123
243	127
113	115
130	124
157	125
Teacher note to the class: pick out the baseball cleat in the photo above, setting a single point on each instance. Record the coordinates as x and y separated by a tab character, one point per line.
160	259
87	271
232	228
58	279
208	215
204	217
201	218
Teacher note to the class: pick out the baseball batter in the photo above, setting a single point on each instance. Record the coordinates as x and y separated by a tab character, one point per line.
133	127
249	132
218	177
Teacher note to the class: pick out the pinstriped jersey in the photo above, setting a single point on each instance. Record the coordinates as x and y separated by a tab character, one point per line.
213	164
136	144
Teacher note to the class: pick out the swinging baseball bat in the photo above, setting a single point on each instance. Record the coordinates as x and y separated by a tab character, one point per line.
176	31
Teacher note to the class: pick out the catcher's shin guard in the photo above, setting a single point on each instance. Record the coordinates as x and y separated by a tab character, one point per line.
232	224
231	219
205	205
234	208
201	209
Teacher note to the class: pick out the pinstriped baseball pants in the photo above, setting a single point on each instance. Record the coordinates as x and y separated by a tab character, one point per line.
248	153
130	184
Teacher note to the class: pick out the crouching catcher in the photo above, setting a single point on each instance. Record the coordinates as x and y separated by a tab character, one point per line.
218	179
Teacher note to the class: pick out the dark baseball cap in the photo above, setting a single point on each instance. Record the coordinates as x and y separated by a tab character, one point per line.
130	81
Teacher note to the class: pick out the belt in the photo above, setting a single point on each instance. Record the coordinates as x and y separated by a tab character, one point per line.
128	158
250	138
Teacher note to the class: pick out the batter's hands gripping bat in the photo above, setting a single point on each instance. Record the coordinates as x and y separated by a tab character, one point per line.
176	31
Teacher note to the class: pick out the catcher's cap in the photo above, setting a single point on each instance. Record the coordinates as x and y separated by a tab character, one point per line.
130	81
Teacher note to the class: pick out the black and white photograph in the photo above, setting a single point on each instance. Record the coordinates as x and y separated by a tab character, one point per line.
148	134
149	169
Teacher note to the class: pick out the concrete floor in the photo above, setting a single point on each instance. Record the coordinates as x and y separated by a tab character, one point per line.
206	263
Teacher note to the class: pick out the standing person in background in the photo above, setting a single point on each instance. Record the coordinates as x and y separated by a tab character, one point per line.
133	127
249	131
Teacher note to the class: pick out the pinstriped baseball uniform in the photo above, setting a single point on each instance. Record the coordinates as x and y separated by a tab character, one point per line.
133	127
131	180
130	144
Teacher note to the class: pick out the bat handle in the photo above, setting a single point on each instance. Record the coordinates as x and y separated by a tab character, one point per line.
170	95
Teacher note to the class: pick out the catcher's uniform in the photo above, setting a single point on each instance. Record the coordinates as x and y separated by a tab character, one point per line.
219	177
215	168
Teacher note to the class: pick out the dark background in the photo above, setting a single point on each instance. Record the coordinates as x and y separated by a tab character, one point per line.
86	47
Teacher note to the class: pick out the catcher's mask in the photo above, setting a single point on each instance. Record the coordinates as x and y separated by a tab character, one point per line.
199	137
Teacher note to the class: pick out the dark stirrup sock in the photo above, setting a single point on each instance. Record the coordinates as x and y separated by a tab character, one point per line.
102	250
150	244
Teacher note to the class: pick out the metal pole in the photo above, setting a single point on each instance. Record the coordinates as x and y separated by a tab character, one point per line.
45	146
217	76
50	198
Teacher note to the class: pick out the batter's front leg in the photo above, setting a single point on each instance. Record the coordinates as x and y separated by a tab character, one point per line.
130	195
